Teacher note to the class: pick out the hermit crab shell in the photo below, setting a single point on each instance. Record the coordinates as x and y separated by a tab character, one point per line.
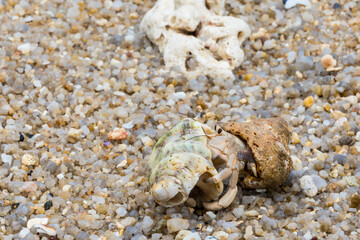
180	161
268	140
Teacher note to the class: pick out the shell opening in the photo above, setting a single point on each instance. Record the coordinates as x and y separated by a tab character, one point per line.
177	199
168	192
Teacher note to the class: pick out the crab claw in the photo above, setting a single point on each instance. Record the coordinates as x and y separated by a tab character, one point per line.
168	191
252	168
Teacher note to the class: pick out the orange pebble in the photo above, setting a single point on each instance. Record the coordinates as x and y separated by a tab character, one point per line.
118	134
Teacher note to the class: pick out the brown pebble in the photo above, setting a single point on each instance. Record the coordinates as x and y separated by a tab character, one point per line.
345	140
118	134
355	200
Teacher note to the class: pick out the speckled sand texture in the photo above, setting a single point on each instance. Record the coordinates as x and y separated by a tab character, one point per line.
74	73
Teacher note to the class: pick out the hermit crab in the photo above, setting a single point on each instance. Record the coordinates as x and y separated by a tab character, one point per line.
194	155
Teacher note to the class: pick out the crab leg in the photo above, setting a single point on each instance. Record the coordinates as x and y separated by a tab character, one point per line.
229	196
226	172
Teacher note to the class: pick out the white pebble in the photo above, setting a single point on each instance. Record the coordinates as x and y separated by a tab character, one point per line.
6	158
40	228
73	12
116	63
352	99
128	125
211	215
157	81
178	96
37	83
308	186
128	221
308	236
147	222
340	122
101	22
221	235
66	188
117	5
99	88
269	44
34	221
23	232
156	236
26	48
129	38
292	3
121	211
323	174
60	176
291	57
75	133
238	212
187	235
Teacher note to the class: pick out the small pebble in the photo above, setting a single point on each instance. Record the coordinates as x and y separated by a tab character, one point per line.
33	221
251	213
22	138
6	158
187	235
308	236
24	232
291	226
336	6
221	235
328	61
319	182
211	215
297	164
26	48
75	133
128	221
308	186
248	232
118	134
29	187
48	205
355	200
308	101
121	211
292	3
295	138
28	159
351	181
238	212
177	224
345	140
146	141
41	228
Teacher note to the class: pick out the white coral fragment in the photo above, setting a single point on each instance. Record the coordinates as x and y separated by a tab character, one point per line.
193	35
